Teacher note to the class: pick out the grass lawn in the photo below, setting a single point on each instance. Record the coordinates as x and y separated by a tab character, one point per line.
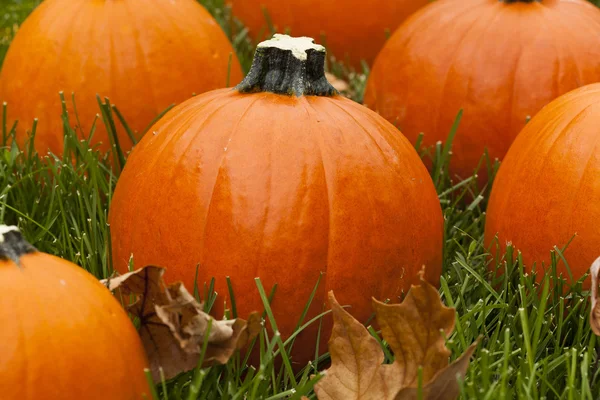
537	343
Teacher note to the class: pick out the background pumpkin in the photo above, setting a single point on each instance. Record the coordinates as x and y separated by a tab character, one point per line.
280	179
63	336
142	54
353	30
501	61
548	187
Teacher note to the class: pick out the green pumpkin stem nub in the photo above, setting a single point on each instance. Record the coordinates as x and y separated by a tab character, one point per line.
13	245
292	66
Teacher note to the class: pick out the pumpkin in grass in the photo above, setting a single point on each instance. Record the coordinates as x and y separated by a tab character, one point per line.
353	30
142	54
63	335
499	61
547	191
280	178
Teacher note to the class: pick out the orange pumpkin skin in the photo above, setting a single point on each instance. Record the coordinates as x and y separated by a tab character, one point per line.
547	188
282	188
353	30
64	336
142	54
500	62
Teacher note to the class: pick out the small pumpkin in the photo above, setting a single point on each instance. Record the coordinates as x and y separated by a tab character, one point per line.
547	191
353	30
280	178
142	54
63	336
500	61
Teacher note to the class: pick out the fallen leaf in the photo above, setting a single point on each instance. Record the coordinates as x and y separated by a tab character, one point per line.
137	281
443	384
357	371
187	322
595	313
412	329
415	331
173	326
253	327
339	84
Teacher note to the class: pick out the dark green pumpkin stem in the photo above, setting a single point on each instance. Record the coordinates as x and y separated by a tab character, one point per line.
12	244
288	66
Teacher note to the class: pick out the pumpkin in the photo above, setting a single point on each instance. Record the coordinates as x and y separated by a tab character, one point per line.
353	30
547	190
280	178
64	335
142	54
499	61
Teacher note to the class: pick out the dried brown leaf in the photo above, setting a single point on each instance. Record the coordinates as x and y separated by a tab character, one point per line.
444	384
339	84
187	322
415	331
412	330
173	326
252	329
145	280
595	313
356	362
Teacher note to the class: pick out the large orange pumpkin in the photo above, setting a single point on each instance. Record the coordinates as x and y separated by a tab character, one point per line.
548	187
500	61
281	179
353	30
63	335
142	54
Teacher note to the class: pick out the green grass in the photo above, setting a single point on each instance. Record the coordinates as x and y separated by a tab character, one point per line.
12	13
536	343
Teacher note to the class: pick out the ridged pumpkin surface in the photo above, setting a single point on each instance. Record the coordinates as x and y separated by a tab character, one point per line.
64	336
501	62
282	188
353	30
142	54
548	187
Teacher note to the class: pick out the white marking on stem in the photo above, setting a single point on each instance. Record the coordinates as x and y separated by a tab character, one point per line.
4	229
297	45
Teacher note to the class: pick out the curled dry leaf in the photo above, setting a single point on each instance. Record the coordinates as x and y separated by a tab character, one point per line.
339	84
595	313
173	326
443	385
413	330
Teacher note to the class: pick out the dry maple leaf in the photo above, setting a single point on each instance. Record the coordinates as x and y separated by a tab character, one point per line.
443	385
595	313
173	326
413	330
